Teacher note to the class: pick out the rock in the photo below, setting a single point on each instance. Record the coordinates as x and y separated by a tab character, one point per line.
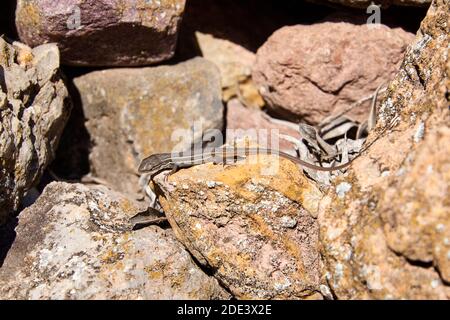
34	107
313	71
75	243
132	113
366	3
76	25
245	122
235	64
389	237
253	223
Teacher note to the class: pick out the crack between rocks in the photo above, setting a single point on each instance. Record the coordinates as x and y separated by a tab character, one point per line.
210	272
331	92
420	264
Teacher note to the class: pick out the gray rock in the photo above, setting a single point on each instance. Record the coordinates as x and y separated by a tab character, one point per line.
75	242
105	32
133	113
34	107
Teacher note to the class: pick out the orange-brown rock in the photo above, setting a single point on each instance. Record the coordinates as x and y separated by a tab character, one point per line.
388	237
252	223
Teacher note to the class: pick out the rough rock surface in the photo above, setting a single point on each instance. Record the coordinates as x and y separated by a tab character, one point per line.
97	33
235	64
312	71
34	107
252	223
75	243
367	3
245	122
138	111
388	237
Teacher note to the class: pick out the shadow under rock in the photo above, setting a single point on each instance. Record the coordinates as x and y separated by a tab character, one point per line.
7	237
250	23
72	156
407	18
7	19
245	22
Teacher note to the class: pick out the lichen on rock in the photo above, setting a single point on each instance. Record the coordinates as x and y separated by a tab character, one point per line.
253	223
76	242
34	107
389	237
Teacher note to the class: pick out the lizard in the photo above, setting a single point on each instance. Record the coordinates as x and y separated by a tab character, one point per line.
159	162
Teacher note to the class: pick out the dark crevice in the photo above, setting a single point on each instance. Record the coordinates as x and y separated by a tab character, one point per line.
2	79
7	237
72	155
419	263
210	271
421	80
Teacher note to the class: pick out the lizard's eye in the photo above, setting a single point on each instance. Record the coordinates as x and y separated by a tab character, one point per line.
145	166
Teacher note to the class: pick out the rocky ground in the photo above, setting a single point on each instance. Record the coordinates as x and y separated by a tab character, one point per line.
90	88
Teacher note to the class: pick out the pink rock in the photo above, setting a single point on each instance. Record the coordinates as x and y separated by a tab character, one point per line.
311	71
105	32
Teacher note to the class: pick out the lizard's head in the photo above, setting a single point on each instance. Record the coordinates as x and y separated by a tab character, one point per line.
155	163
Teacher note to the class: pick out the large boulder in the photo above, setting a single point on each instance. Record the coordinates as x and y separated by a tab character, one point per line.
103	33
75	242
34	107
388	236
253	223
132	113
312	71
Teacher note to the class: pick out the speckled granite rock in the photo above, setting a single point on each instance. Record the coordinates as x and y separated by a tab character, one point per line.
313	71
34	107
252	223
137	111
388	235
75	243
105	32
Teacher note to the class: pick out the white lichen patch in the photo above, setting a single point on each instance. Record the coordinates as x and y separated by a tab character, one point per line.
372	275
419	133
421	44
342	189
326	292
